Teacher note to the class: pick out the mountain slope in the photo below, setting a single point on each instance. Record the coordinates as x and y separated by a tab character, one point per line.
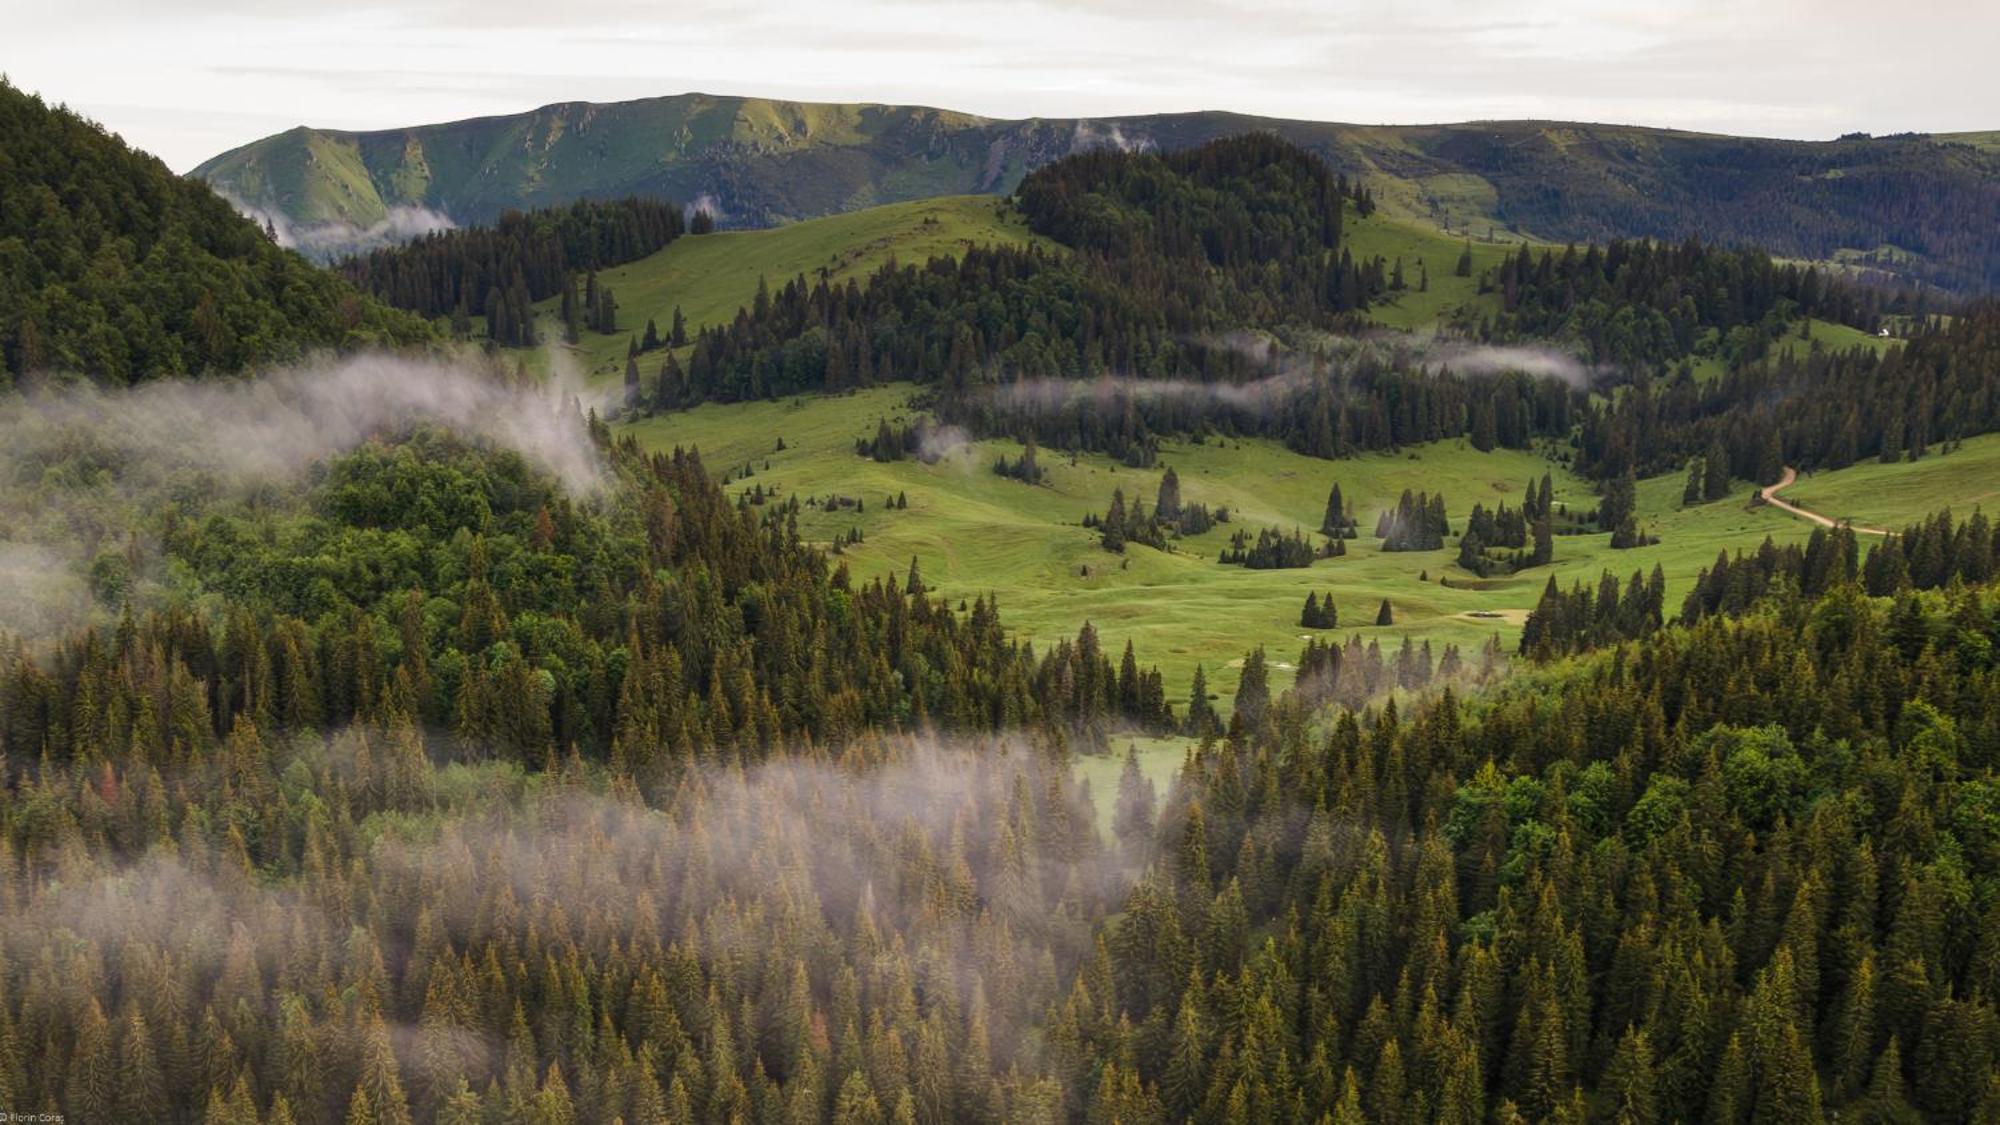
112	266
1917	206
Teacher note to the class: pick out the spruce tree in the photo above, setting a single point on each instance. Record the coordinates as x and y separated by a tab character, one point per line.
1168	506
1715	472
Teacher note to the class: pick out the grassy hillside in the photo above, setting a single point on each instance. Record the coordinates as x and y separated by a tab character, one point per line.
1425	249
1893	496
711	276
762	162
756	161
975	532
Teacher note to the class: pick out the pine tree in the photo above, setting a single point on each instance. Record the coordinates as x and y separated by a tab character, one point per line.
1253	692
141	1090
1695	491
1132	814
1715	472
1335	523
1201	718
1385	615
1167	507
1111	535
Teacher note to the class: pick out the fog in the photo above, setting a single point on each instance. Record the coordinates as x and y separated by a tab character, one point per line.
1539	361
79	465
331	241
1290	374
929	847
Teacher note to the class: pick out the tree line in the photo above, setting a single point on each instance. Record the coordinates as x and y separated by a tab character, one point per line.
452	272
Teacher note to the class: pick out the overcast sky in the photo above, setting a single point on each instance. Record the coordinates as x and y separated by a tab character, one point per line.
188	79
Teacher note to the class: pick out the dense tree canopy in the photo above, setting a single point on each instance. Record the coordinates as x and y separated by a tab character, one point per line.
454	270
113	267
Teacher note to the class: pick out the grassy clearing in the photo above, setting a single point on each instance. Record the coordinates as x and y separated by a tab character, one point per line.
973	532
1159	759
711	276
1894	496
1423	247
1838	338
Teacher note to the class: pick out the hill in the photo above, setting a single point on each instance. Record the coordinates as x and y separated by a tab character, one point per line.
112	266
711	276
1912	206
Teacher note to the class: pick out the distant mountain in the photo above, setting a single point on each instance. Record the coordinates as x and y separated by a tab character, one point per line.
1913	206
112	266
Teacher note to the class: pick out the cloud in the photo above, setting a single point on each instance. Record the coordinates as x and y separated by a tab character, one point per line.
1095	135
1539	361
80	466
1107	392
1292	373
331	241
705	202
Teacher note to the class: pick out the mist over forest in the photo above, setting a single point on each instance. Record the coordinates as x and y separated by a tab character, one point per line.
1089	620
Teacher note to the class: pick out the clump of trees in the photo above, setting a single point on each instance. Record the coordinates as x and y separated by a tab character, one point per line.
1566	622
1024	468
450	272
1498	542
1339	522
1274	550
1416	523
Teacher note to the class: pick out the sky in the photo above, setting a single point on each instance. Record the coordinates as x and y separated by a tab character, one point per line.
187	79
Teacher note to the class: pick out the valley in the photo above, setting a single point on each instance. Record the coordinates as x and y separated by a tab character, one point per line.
865	614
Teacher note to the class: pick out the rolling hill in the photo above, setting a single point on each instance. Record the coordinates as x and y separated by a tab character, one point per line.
1912	206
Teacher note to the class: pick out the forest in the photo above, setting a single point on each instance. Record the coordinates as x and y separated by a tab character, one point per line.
523	257
392	740
114	268
1737	870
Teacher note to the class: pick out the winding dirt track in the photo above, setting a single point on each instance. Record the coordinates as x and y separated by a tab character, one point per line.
1769	494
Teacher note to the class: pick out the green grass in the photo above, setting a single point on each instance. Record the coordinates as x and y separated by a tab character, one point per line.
1159	759
711	276
974	532
1838	338
1893	496
1989	141
1423	247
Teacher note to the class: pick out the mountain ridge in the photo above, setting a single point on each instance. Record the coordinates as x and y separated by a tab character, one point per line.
1913	206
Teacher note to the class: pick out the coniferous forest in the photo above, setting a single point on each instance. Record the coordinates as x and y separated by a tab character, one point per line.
390	736
112	266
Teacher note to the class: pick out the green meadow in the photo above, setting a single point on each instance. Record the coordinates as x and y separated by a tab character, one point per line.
973	532
711	276
1892	496
1425	253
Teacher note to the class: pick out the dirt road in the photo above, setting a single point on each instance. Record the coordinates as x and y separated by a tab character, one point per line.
1769	494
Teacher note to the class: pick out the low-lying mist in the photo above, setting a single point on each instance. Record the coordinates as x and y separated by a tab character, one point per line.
81	467
331	241
974	867
1286	375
